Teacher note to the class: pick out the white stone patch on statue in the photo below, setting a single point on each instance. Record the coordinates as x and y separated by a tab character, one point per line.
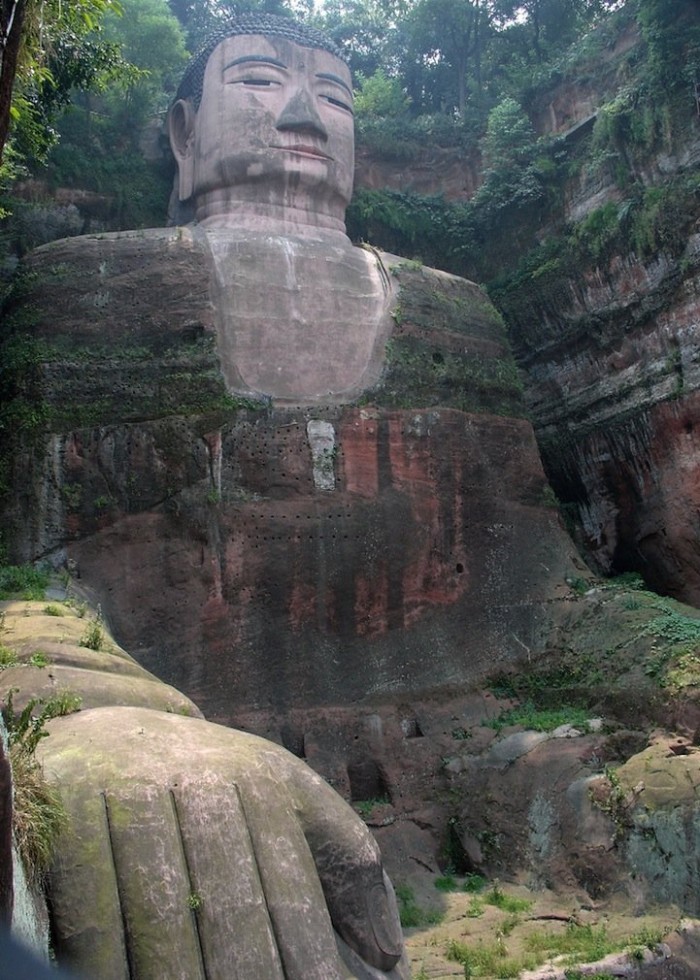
300	320
321	436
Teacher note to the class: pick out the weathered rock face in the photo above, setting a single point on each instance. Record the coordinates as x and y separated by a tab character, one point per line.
438	170
656	805
613	388
608	347
604	323
267	557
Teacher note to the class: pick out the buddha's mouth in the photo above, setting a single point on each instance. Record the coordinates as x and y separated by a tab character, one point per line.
304	149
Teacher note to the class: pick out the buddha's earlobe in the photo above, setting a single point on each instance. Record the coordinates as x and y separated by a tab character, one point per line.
181	120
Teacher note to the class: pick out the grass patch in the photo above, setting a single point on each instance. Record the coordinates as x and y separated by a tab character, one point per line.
578	944
365	807
574	946
489	959
506	903
474	883
79	608
447	883
53	610
540	719
411	914
8	657
94	636
38	815
23	582
674	626
475	909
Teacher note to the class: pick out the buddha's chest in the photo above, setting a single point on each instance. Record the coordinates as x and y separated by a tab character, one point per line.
299	321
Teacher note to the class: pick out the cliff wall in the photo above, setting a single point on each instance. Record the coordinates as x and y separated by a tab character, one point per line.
604	318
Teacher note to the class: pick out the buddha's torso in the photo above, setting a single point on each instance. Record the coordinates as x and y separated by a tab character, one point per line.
299	320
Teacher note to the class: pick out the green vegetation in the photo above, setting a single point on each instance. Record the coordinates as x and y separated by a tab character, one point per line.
38	659
53	610
8	657
626	638
540	719
489	959
446	883
474	883
38	814
49	48
94	636
23	582
365	807
475	908
586	944
576	944
506	903
411	914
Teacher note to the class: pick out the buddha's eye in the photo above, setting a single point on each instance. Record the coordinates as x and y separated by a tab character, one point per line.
254	82
338	103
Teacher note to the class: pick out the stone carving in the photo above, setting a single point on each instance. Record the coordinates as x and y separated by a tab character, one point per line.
172	815
370	526
263	132
193	847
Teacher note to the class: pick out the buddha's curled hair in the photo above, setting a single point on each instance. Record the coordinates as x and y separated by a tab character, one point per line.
268	25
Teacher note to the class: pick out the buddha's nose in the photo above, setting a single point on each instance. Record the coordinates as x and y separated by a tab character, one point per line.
300	116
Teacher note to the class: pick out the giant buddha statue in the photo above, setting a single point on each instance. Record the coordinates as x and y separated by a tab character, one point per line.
296	474
307	461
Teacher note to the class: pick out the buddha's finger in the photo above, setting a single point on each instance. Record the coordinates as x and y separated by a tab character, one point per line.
359	896
295	899
227	897
185	899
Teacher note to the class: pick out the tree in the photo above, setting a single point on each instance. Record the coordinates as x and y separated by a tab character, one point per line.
364	30
31	31
511	175
549	26
152	41
452	35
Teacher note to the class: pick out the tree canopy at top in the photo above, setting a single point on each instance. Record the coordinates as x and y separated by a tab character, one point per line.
48	48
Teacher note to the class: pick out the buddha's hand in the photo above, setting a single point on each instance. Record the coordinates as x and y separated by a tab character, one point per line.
195	851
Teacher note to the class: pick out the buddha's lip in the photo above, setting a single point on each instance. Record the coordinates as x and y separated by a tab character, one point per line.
305	148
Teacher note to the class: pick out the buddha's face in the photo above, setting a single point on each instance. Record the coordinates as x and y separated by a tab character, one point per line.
277	116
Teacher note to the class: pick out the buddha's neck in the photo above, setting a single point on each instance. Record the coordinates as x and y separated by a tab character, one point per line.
219	210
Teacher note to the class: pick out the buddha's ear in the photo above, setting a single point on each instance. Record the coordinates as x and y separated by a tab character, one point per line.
181	120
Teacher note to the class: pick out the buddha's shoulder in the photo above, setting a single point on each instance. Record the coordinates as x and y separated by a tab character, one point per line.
432	299
102	285
145	264
143	241
122	239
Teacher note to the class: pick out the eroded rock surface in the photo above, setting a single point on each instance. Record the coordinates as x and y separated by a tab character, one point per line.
234	572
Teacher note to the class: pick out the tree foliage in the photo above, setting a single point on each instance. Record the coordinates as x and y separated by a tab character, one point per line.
152	41
199	18
48	47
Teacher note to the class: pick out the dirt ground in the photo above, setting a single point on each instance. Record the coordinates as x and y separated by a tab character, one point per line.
479	924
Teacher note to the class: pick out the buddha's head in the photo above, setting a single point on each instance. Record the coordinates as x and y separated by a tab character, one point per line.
262	127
